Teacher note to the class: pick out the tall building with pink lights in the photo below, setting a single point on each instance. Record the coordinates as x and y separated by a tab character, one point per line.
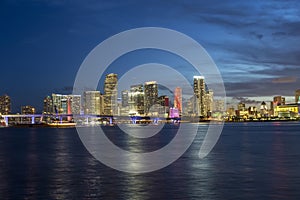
178	99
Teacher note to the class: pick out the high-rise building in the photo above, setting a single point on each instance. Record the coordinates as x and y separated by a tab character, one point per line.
47	107
178	99
92	103
136	99
5	105
110	94
59	103
125	98
164	103
199	93
209	99
297	96
74	104
27	110
151	95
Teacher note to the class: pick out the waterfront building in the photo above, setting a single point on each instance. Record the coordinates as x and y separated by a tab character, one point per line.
208	105
241	106
150	96
110	94
199	93
47	105
5	105
264	112
74	104
278	100
297	96
27	110
178	99
125	98
287	111
136	100
92	103
164	105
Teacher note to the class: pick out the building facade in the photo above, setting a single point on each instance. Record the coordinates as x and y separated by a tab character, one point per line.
92	103
151	95
178	99
110	94
199	93
136	99
5	105
297	96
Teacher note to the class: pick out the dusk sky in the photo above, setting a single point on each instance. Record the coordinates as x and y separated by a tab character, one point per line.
255	44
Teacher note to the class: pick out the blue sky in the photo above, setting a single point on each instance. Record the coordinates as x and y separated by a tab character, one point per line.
255	44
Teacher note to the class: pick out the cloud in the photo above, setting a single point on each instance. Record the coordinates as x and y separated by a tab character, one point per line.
290	79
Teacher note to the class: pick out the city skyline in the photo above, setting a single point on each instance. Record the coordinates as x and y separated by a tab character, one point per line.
140	97
254	44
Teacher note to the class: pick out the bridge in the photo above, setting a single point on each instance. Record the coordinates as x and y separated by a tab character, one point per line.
58	117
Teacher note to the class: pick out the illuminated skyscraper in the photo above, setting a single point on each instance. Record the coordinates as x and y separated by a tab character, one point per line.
47	107
92	103
209	98
125	98
199	93
110	94
178	99
297	96
151	95
5	105
136	99
74	104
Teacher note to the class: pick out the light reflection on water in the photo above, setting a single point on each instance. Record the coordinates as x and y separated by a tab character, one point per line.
250	161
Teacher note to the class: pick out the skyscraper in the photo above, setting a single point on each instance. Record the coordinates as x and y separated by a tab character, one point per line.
74	104
92	103
199	93
151	95
110	94
125	98
5	105
178	99
47	105
136	99
297	96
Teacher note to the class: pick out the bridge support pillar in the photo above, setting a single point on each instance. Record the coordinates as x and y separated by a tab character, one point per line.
6	120
32	120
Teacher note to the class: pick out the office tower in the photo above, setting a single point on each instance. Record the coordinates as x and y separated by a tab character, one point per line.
47	105
178	99
57	101
199	93
136	99
297	96
209	96
164	103
125	98
151	95
74	104
110	94
5	105
278	100
27	110
92	103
